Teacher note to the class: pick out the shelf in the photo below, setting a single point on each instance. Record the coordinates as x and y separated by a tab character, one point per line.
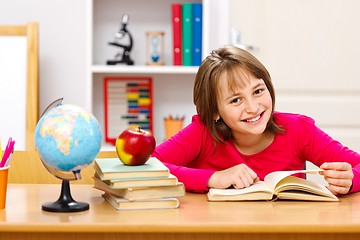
144	69
172	85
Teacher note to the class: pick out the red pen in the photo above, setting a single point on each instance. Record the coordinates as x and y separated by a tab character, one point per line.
8	150
7	162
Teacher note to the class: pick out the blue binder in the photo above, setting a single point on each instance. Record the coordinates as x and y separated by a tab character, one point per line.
197	34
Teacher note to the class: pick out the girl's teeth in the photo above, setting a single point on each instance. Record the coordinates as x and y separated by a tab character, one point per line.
254	119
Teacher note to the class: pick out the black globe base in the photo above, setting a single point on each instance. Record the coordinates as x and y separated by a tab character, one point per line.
65	203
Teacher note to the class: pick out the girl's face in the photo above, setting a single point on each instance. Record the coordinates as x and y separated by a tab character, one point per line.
245	108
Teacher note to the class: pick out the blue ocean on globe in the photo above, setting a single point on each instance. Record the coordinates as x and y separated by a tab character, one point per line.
68	138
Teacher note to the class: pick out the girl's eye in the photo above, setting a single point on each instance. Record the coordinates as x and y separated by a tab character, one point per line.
258	91
236	100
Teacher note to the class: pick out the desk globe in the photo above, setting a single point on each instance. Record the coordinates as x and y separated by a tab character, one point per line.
67	138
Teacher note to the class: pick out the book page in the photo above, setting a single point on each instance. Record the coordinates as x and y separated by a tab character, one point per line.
256	187
257	191
291	187
298	195
272	179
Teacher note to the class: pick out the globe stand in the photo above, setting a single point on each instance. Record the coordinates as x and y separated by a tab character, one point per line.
65	203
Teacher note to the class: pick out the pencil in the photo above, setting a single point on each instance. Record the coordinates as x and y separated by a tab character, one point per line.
1	151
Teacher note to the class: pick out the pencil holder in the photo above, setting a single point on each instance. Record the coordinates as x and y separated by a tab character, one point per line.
172	126
3	186
155	48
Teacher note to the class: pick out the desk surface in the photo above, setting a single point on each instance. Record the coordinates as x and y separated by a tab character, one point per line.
23	214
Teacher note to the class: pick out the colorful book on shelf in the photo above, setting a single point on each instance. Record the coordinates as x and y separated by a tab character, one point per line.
277	185
123	204
140	193
197	34
187	34
176	11
113	168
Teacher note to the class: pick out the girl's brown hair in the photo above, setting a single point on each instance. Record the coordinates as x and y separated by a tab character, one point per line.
228	59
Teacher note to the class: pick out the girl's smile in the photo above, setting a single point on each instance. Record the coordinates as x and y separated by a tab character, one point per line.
253	120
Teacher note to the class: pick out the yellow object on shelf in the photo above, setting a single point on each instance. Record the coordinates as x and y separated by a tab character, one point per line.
172	126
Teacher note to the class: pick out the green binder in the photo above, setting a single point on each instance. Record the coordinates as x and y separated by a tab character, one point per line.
187	34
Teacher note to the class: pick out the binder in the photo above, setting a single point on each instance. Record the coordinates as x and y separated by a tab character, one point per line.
176	10
197	34
187	34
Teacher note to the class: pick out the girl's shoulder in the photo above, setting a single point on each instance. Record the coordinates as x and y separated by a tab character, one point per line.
292	119
195	120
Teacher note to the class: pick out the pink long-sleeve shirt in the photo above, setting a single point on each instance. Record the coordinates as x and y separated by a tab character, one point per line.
192	156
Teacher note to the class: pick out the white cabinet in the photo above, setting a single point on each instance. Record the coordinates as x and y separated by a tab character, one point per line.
172	85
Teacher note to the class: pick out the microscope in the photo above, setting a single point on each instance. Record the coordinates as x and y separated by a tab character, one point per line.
124	55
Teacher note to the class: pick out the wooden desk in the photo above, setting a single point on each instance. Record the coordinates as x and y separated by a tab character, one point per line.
195	219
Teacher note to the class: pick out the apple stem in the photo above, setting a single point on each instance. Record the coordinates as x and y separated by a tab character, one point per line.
138	129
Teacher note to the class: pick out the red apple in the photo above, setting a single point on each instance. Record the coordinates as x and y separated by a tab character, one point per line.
134	146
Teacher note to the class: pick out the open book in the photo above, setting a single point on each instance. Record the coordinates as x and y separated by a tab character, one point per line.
277	185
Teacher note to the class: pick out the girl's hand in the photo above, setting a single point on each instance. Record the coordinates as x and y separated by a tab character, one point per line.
339	175
239	176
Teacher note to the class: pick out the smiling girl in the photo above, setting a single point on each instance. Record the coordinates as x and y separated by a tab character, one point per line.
237	138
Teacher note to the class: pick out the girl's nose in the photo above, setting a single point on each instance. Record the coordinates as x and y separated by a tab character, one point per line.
251	106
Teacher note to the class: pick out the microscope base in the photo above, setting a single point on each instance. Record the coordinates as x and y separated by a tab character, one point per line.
114	62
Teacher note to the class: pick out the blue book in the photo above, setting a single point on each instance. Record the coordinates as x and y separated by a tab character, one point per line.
197	34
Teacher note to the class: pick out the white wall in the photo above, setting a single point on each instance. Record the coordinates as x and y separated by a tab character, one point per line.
311	49
62	49
12	75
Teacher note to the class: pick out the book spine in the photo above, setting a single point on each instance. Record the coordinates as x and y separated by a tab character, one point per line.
197	34
187	34
176	9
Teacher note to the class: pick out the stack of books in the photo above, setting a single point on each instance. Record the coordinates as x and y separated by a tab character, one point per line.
148	186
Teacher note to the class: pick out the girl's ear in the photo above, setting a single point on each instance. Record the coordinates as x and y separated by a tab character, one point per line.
216	117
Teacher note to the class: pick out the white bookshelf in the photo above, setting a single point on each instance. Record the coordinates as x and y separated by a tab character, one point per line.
172	85
121	69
